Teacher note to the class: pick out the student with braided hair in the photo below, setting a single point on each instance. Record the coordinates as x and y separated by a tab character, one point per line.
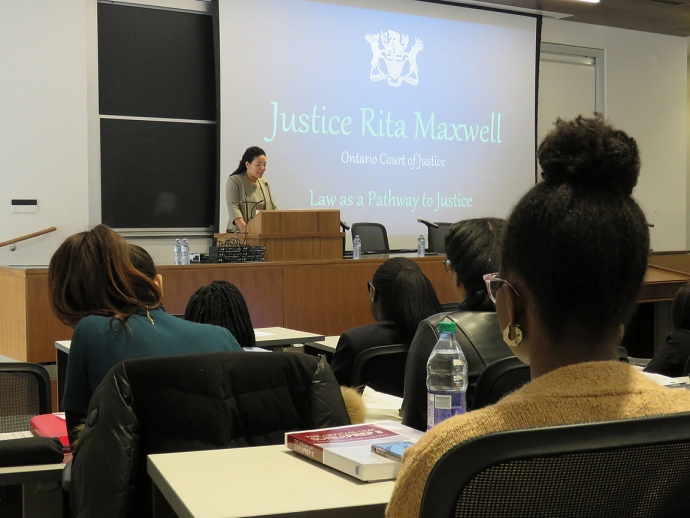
222	304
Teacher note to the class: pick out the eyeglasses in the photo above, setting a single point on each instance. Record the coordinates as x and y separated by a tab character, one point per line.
493	283
446	265
370	286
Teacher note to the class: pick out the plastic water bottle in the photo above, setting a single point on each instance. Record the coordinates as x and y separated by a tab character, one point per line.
446	379
356	248
421	245
177	252
184	258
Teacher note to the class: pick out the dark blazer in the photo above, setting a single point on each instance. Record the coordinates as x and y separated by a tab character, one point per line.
481	341
354	341
671	357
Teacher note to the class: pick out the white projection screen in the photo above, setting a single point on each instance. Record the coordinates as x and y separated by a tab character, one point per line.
387	110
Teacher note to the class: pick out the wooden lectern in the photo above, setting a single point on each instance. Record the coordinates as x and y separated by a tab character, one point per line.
297	235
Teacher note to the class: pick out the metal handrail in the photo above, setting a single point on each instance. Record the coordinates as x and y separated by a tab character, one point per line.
13	242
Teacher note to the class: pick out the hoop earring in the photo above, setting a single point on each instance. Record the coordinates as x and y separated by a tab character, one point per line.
518	335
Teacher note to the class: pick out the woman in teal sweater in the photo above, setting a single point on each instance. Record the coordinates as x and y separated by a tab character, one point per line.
116	313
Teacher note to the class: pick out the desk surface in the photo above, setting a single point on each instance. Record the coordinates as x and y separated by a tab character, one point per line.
38	473
263	481
328	344
265	337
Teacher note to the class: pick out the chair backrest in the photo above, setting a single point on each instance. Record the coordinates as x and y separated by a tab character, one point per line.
24	393
499	379
625	468
437	237
373	236
381	368
190	403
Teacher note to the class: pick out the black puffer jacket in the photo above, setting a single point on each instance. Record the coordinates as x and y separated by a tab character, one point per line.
186	403
480	339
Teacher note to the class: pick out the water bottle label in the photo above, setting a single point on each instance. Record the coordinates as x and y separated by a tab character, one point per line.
443	405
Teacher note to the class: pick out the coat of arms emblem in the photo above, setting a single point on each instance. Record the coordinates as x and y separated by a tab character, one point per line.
401	65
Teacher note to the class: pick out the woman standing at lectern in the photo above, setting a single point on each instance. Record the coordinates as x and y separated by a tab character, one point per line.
247	191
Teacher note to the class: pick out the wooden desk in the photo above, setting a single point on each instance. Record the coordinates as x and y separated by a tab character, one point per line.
326	297
41	488
327	345
263	481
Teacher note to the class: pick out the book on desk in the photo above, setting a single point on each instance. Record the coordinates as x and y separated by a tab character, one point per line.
348	448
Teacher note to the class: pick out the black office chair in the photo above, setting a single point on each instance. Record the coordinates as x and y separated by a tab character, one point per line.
190	403
381	368
437	237
24	393
373	236
499	379
625	468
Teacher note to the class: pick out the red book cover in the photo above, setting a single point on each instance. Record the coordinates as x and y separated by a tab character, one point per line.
311	443
348	448
51	425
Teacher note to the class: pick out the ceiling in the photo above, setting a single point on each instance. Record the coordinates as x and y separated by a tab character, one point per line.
661	16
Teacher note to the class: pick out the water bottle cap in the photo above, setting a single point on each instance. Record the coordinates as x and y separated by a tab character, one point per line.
446	327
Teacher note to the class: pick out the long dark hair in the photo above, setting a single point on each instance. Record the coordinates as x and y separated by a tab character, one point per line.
405	295
681	308
91	274
222	304
578	239
249	155
472	247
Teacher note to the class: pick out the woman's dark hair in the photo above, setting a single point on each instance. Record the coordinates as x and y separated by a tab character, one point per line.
222	304
472	247
91	274
405	295
249	155
142	261
681	308
578	240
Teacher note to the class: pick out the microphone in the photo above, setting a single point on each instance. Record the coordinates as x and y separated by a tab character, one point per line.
429	224
344	226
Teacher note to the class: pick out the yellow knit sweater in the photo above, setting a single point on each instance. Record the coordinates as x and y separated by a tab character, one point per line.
595	391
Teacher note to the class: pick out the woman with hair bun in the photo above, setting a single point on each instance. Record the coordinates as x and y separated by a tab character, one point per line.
573	260
246	190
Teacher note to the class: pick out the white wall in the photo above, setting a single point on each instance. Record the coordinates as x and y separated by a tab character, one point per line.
646	95
43	132
43	121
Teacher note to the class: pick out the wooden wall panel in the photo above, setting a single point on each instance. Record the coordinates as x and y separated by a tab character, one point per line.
13	314
261	285
43	327
328	300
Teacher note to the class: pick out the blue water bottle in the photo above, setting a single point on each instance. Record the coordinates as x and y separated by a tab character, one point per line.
421	245
356	248
446	379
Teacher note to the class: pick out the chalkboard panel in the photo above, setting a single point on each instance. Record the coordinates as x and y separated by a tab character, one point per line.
155	63
158	174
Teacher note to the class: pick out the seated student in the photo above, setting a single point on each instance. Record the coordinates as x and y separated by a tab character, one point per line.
671	357
222	304
400	296
472	251
116	313
573	260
